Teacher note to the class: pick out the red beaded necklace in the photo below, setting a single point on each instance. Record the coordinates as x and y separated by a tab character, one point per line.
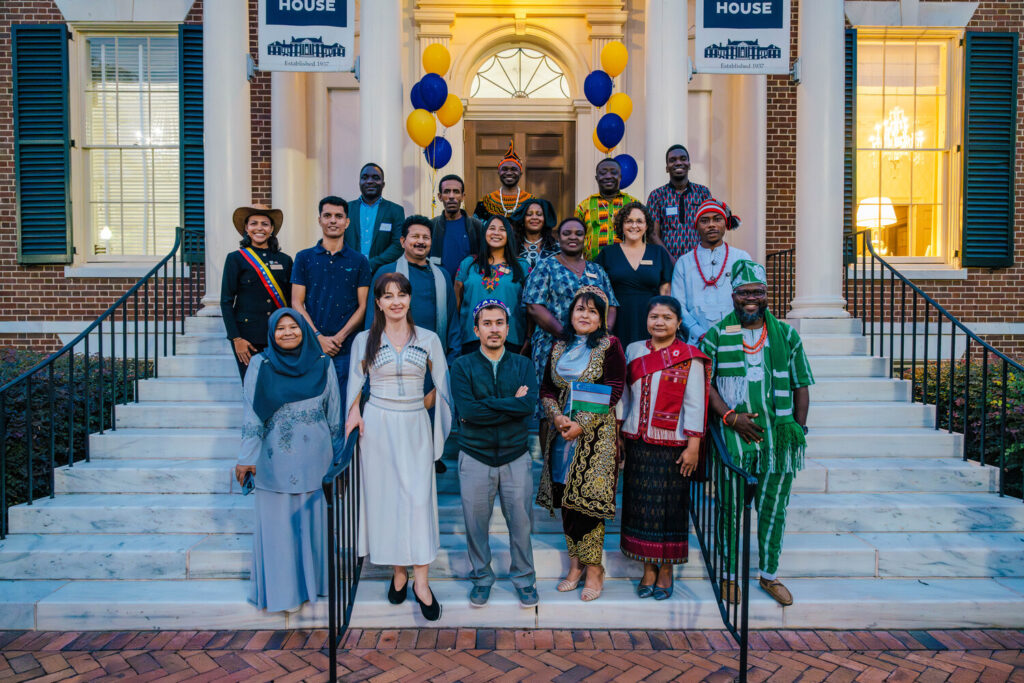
758	344
713	281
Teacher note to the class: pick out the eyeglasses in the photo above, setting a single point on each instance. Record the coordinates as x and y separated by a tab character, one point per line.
751	293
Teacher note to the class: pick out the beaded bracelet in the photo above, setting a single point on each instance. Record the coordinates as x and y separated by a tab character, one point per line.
727	414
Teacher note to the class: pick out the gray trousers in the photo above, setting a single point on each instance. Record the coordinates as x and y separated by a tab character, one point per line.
513	484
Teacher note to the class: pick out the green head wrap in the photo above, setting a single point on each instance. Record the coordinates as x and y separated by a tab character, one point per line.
747	273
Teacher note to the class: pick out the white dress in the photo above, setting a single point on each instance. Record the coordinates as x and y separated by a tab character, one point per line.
398	447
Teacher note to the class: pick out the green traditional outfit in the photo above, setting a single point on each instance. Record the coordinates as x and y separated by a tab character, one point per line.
761	382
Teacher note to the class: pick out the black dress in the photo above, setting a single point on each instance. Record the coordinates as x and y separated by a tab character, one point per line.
633	288
245	303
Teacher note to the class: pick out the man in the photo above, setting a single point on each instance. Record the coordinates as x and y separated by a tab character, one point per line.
433	298
598	210
375	220
674	205
456	233
506	200
330	283
494	454
700	279
760	393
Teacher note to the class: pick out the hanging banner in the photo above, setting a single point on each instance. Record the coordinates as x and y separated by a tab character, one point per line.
307	35
736	37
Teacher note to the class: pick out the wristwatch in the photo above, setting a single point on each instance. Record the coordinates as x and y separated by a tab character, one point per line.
316	333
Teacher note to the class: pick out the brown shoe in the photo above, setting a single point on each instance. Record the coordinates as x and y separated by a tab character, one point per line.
778	592
730	591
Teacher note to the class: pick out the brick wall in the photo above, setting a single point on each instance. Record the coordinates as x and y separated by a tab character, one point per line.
983	296
259	96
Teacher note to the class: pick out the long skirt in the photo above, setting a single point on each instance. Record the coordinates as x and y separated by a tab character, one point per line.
289	557
398	525
584	535
655	505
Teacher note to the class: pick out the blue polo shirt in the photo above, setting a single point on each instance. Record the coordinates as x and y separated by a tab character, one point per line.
331	281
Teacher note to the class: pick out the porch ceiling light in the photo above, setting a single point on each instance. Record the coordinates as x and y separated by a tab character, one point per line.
875	212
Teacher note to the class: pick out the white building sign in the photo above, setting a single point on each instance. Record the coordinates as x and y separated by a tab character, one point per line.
307	35
736	37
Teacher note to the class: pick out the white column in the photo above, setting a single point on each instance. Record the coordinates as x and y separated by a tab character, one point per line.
819	162
382	124
665	85
288	158
226	134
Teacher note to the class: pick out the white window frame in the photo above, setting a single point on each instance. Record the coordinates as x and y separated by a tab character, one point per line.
78	77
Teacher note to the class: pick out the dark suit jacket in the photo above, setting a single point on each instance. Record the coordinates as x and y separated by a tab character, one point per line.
474	226
386	246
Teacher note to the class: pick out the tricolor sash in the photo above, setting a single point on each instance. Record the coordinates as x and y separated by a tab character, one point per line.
673	362
590	398
265	276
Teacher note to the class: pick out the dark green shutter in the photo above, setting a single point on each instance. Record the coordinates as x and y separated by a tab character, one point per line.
42	146
850	144
990	121
190	82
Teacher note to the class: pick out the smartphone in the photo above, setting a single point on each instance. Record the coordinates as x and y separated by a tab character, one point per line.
247	484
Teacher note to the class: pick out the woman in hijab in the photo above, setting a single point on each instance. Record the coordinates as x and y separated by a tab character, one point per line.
291	431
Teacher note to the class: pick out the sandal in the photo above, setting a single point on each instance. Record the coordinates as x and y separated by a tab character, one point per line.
591	594
566	585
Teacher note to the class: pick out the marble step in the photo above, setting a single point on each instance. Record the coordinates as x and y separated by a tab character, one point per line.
220	513
870	441
223	415
180	444
814	344
829	366
221	604
197	389
977	554
203	344
148	476
221	365
892	475
850	389
97	556
805	326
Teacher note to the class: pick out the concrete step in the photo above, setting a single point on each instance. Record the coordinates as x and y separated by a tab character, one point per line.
220	365
147	476
180	444
826	366
224	415
805	326
198	389
870	441
214	325
221	604
205	344
814	344
849	389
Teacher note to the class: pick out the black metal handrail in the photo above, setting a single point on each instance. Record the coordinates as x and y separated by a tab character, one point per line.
779	266
74	392
725	538
344	565
888	304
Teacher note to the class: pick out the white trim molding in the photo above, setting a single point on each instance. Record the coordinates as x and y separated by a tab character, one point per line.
909	13
133	271
125	10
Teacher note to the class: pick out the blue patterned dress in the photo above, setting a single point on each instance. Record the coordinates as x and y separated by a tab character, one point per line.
552	286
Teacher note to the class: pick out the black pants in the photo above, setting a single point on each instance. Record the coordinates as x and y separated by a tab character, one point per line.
242	367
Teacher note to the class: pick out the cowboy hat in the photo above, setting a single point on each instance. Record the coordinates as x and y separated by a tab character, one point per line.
242	213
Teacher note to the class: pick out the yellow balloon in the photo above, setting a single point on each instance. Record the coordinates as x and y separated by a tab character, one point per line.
450	112
597	143
436	59
421	127
614	57
620	104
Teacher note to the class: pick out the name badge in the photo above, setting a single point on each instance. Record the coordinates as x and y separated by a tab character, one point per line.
436	260
672	211
646	262
276	266
733	329
592	276
385	227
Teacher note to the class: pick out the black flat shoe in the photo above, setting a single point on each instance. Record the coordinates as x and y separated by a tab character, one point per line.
431	612
397	597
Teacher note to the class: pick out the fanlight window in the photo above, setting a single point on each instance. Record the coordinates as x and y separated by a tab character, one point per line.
519	73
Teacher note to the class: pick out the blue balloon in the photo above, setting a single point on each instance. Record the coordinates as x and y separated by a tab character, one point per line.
629	170
417	99
438	152
597	87
433	92
610	129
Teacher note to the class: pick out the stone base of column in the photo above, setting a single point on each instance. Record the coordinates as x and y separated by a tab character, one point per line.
818	307
210	308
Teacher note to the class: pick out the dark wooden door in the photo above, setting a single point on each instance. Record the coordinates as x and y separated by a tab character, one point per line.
548	151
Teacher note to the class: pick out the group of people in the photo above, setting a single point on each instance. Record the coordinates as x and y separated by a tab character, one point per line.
614	335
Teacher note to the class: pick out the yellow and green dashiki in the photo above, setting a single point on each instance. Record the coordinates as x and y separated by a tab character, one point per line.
598	215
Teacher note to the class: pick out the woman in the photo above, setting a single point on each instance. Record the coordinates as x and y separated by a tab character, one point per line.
665	406
291	431
582	384
536	219
637	270
256	281
494	273
398	498
550	288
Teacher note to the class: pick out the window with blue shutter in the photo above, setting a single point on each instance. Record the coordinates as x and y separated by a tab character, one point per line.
190	65
990	121
41	142
850	143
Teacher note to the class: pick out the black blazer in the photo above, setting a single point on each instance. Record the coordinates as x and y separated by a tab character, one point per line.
245	303
474	229
386	246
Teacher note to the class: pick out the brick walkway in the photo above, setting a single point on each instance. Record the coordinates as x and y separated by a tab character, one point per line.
505	655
